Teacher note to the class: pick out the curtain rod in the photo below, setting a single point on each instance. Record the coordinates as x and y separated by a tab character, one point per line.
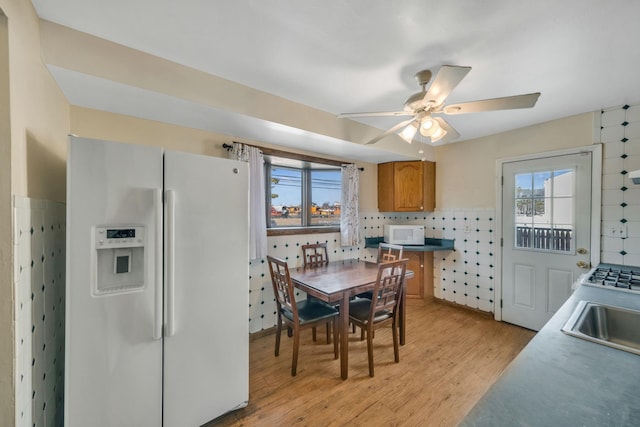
280	153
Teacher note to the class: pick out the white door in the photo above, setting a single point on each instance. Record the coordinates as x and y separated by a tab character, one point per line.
546	211
113	353
206	345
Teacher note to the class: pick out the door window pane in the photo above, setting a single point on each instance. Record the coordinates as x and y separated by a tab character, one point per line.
544	210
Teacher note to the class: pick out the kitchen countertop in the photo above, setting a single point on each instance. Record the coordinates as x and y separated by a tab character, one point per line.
560	380
430	244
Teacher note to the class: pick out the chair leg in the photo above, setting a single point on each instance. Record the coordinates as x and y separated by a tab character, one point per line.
313	333
296	344
370	349
361	334
396	348
278	331
336	335
328	333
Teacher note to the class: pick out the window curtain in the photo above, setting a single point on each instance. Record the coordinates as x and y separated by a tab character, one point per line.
349	218
257	214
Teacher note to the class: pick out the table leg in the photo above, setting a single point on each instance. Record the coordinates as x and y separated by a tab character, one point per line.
344	337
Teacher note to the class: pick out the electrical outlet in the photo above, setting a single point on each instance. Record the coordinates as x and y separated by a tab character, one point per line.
619	231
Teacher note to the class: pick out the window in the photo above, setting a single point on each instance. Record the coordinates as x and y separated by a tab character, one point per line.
544	213
302	194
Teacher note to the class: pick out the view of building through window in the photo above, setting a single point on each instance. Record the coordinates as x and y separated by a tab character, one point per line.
302	197
544	213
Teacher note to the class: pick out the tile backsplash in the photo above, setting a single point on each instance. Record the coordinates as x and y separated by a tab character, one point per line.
39	283
620	135
465	276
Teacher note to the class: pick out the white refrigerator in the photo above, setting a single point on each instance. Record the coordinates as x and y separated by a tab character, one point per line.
157	291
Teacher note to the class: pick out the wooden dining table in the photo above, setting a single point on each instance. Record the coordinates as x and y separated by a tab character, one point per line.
337	282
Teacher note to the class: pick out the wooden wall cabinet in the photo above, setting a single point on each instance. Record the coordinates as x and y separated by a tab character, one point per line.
421	285
407	186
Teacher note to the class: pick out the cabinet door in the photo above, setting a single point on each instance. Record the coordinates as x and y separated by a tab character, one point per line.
385	187
415	285
429	184
408	190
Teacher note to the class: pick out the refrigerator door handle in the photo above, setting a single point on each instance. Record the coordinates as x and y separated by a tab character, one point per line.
157	321
171	212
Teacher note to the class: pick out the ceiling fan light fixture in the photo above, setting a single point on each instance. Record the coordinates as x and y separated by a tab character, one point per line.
429	126
409	132
438	135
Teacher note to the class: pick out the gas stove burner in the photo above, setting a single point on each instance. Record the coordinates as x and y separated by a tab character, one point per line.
617	276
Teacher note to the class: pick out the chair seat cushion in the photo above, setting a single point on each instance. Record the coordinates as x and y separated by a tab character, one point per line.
312	311
359	310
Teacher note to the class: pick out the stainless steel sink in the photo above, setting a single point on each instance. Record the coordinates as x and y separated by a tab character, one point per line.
615	327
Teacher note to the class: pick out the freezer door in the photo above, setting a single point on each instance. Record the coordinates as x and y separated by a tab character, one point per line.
113	357
206	346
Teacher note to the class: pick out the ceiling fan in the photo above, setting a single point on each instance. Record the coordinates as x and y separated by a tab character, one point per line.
422	105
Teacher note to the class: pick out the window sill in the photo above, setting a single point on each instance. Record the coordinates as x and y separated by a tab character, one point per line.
289	231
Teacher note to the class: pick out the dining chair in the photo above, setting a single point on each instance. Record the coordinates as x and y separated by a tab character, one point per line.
315	255
383	308
297	315
386	252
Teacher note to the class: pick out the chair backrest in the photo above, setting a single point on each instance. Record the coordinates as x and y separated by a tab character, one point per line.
388	287
282	286
388	252
315	255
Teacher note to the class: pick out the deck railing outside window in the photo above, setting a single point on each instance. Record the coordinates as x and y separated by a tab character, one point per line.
555	239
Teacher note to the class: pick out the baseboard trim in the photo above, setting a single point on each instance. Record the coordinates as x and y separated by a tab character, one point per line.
465	307
263	333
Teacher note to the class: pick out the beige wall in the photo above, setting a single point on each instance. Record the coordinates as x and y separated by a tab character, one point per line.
466	171
90	123
7	350
39	123
39	111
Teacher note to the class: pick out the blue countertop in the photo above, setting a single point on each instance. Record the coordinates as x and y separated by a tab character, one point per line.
560	380
430	244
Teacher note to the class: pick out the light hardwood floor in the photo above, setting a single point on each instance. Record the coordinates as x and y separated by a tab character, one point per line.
451	357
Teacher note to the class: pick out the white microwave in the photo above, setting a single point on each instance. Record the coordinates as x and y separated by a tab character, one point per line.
404	234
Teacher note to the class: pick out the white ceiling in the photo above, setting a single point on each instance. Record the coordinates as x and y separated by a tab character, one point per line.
361	55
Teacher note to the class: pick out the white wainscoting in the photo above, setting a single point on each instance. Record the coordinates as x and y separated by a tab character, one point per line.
39	280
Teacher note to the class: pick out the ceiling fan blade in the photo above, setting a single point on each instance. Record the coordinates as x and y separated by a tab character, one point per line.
451	132
506	103
446	80
375	114
392	130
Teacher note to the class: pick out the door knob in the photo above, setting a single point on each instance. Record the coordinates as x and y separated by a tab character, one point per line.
582	251
583	264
